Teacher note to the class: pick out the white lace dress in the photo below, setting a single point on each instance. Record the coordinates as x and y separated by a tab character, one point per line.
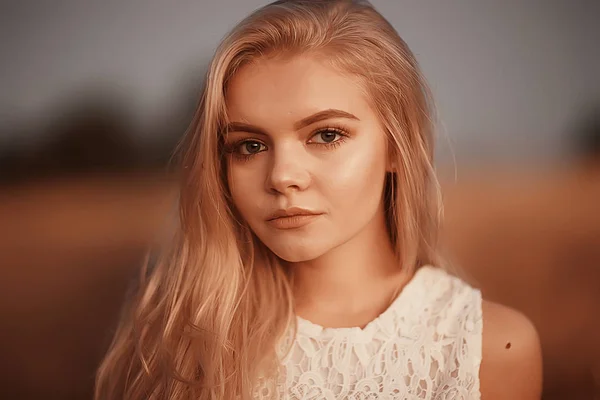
426	345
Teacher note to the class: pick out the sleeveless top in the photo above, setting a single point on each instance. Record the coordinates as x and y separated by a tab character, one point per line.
426	345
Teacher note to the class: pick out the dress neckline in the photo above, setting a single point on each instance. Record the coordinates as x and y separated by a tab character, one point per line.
311	329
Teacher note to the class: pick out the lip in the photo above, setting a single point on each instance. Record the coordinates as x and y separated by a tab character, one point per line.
293	217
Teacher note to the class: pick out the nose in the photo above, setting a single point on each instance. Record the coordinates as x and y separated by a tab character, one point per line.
288	171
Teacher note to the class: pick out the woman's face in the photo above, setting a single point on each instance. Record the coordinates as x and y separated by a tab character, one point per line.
307	155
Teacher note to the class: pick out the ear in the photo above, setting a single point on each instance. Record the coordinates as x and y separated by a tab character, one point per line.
391	164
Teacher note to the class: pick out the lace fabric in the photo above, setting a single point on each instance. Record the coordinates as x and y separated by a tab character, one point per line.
426	345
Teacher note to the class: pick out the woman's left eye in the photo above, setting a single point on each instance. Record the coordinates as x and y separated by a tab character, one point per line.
326	136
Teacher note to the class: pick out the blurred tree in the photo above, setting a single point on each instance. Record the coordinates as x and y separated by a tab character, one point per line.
588	135
86	135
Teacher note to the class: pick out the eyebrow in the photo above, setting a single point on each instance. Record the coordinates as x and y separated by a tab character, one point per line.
304	122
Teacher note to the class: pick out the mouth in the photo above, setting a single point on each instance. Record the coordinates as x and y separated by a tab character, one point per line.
292	218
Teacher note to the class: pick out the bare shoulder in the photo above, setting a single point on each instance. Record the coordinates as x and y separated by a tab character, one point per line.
512	357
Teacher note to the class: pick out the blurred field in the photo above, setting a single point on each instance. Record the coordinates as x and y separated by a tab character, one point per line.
68	250
69	247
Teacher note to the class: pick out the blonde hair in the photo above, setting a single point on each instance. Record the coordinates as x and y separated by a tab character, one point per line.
207	321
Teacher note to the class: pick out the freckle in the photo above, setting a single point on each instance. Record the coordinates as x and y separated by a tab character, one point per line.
508	345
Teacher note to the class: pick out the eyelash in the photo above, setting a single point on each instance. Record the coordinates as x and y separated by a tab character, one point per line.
343	135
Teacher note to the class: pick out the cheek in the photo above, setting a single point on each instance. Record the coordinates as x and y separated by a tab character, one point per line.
244	185
357	176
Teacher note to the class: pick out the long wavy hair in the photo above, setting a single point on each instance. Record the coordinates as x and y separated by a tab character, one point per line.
207	321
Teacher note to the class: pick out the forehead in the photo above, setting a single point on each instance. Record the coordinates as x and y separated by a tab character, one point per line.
281	91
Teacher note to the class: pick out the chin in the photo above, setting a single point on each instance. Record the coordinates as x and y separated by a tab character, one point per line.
295	253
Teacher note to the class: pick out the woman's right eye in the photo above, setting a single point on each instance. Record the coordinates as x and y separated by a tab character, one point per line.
250	147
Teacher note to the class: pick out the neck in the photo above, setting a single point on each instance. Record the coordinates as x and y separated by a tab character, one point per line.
360	276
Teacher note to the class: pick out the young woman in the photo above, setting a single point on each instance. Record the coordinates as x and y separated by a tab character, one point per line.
305	264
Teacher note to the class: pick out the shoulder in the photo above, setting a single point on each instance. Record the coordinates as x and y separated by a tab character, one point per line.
512	358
